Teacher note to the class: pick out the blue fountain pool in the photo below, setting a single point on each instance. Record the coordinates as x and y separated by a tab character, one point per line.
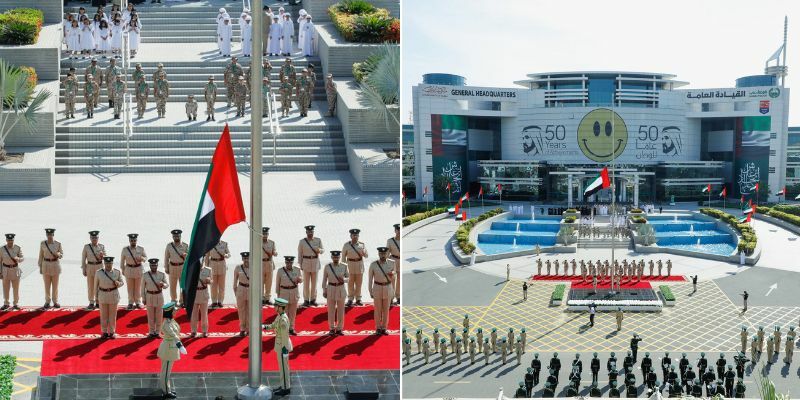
691	234
515	234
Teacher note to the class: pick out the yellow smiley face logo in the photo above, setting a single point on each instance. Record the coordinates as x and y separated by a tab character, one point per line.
602	135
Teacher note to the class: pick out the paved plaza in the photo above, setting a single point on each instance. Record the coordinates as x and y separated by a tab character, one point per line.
708	320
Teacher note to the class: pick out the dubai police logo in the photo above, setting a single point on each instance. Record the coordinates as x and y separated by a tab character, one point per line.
774	92
602	135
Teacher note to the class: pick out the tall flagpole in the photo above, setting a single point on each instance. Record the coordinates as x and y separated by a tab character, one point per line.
613	196
254	388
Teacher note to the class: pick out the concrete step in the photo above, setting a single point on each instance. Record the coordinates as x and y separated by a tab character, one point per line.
597	244
105	151
193	76
200	128
179	96
172	168
168	159
299	144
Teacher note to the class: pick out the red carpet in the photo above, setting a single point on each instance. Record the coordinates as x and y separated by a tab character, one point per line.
645	278
87	356
34	324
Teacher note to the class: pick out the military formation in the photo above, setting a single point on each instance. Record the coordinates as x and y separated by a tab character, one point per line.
678	377
296	85
601	271
147	283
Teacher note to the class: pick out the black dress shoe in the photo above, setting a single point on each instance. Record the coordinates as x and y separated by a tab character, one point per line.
46	305
5	307
359	303
314	303
103	336
170	395
349	303
292	332
339	332
56	305
130	307
15	307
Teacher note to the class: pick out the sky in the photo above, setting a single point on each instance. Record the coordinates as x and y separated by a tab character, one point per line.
707	43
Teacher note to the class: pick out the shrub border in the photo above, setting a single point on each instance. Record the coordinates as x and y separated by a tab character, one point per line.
8	364
413	218
462	234
666	291
558	292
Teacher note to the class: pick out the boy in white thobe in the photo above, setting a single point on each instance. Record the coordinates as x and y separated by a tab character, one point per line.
275	33
225	33
247	37
308	37
287	34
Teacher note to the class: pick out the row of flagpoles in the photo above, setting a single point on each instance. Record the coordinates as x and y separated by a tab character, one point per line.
460	204
750	209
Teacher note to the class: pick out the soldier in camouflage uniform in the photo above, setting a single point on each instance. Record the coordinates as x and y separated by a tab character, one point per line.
120	90
301	83
97	76
161	93
70	92
240	96
232	73
302	100
191	108
330	92
312	83
288	71
266	89
90	89
266	69
110	77
159	72
211	97
138	73
286	96
142	91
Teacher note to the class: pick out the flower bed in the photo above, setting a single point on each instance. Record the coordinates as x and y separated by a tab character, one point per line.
7	366
462	234
31	83
666	293
636	211
639	219
558	294
749	240
21	26
420	216
569	219
361	22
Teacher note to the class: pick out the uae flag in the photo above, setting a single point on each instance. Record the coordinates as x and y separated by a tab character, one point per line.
480	192
600	183
755	187
724	192
782	192
745	219
707	188
220	207
748	209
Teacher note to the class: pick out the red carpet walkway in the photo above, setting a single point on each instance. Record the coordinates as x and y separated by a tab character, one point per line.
86	356
34	324
625	285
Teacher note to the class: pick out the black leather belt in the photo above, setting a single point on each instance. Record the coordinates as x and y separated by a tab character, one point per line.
10	266
244	284
382	284
289	287
354	259
175	264
94	262
154	292
202	287
394	256
51	259
217	259
107	290
310	257
335	284
267	259
133	266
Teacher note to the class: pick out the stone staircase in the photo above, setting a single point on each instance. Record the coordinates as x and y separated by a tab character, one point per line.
189	149
187	78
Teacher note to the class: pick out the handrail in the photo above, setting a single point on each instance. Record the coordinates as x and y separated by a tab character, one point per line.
274	126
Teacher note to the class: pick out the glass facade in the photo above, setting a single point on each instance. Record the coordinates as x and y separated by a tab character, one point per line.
408	162
444	79
601	91
756	80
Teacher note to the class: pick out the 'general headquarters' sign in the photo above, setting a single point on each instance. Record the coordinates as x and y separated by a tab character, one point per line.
722	94
470	93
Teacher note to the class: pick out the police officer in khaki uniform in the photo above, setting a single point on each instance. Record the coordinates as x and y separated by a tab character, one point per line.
10	258
200	310
91	262
108	280
169	350
174	257
283	344
267	264
50	254
215	259
210	94
130	262
153	287
381	289
393	243
308	250
354	253
334	278
241	288
287	280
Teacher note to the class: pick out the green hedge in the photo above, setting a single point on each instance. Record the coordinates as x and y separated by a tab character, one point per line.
748	242
790	218
763	209
7	366
788	209
558	292
359	21
420	216
569	219
639	219
667	293
462	234
571	210
636	211
20	26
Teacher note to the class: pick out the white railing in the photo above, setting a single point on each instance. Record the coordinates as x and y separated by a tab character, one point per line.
274	125
127	125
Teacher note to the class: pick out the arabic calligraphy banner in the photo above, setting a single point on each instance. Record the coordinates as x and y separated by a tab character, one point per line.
705	95
752	154
449	143
600	135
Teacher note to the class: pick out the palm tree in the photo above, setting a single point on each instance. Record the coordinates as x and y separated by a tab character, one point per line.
381	86
19	104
